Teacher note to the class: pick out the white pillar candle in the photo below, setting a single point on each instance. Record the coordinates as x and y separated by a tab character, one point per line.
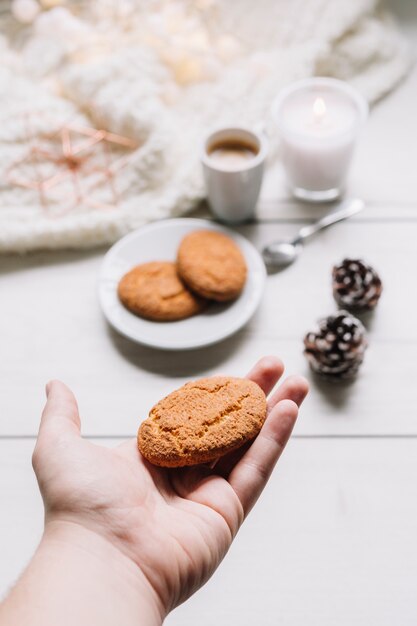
319	120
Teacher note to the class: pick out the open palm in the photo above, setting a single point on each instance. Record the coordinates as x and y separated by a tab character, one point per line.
175	524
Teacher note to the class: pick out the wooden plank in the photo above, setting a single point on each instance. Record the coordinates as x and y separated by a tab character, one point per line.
331	541
21	521
52	327
290	211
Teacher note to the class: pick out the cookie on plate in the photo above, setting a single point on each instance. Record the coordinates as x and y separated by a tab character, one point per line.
212	265
202	421
155	291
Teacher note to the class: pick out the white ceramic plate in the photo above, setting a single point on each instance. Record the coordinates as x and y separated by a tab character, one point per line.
160	241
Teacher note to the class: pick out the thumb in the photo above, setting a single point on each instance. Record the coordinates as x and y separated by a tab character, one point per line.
60	415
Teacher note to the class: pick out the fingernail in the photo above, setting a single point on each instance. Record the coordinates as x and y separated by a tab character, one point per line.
47	388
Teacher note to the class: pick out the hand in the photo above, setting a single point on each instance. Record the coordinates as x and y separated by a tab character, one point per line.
174	525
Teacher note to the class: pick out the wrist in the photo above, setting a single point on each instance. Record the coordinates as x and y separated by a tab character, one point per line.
107	571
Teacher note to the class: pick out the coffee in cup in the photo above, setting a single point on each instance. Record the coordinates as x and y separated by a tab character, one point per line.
231	154
233	160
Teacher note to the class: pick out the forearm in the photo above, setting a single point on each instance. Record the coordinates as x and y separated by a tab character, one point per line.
78	578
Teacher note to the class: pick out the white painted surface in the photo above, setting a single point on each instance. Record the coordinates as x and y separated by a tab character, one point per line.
333	541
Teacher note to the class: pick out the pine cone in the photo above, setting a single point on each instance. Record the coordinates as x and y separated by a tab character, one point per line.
356	285
337	349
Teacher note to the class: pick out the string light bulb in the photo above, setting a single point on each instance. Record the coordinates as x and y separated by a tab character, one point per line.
25	11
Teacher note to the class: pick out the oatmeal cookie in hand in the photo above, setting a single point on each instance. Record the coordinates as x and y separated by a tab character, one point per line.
201	421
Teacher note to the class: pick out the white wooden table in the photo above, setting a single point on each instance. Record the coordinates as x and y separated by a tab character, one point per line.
334	539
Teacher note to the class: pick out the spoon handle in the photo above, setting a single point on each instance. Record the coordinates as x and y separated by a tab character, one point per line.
347	208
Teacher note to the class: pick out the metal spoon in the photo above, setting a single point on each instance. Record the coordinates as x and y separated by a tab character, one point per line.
282	253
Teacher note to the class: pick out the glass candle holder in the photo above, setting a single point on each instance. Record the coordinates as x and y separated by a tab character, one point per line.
319	120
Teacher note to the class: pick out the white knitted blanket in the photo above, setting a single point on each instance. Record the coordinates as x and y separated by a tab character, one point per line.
163	72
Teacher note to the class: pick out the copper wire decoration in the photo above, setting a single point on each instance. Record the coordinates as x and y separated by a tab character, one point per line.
81	156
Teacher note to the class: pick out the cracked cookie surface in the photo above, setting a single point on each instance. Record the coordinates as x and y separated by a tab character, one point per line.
212	265
155	291
202	421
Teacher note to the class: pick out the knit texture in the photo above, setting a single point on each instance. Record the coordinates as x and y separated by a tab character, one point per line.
164	74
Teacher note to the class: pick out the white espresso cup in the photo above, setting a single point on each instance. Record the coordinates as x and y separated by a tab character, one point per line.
233	162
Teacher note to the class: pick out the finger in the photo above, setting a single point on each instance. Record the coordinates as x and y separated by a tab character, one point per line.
295	388
60	414
266	372
225	464
251	474
199	484
128	445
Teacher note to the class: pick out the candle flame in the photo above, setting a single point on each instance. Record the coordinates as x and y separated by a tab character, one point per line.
319	108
